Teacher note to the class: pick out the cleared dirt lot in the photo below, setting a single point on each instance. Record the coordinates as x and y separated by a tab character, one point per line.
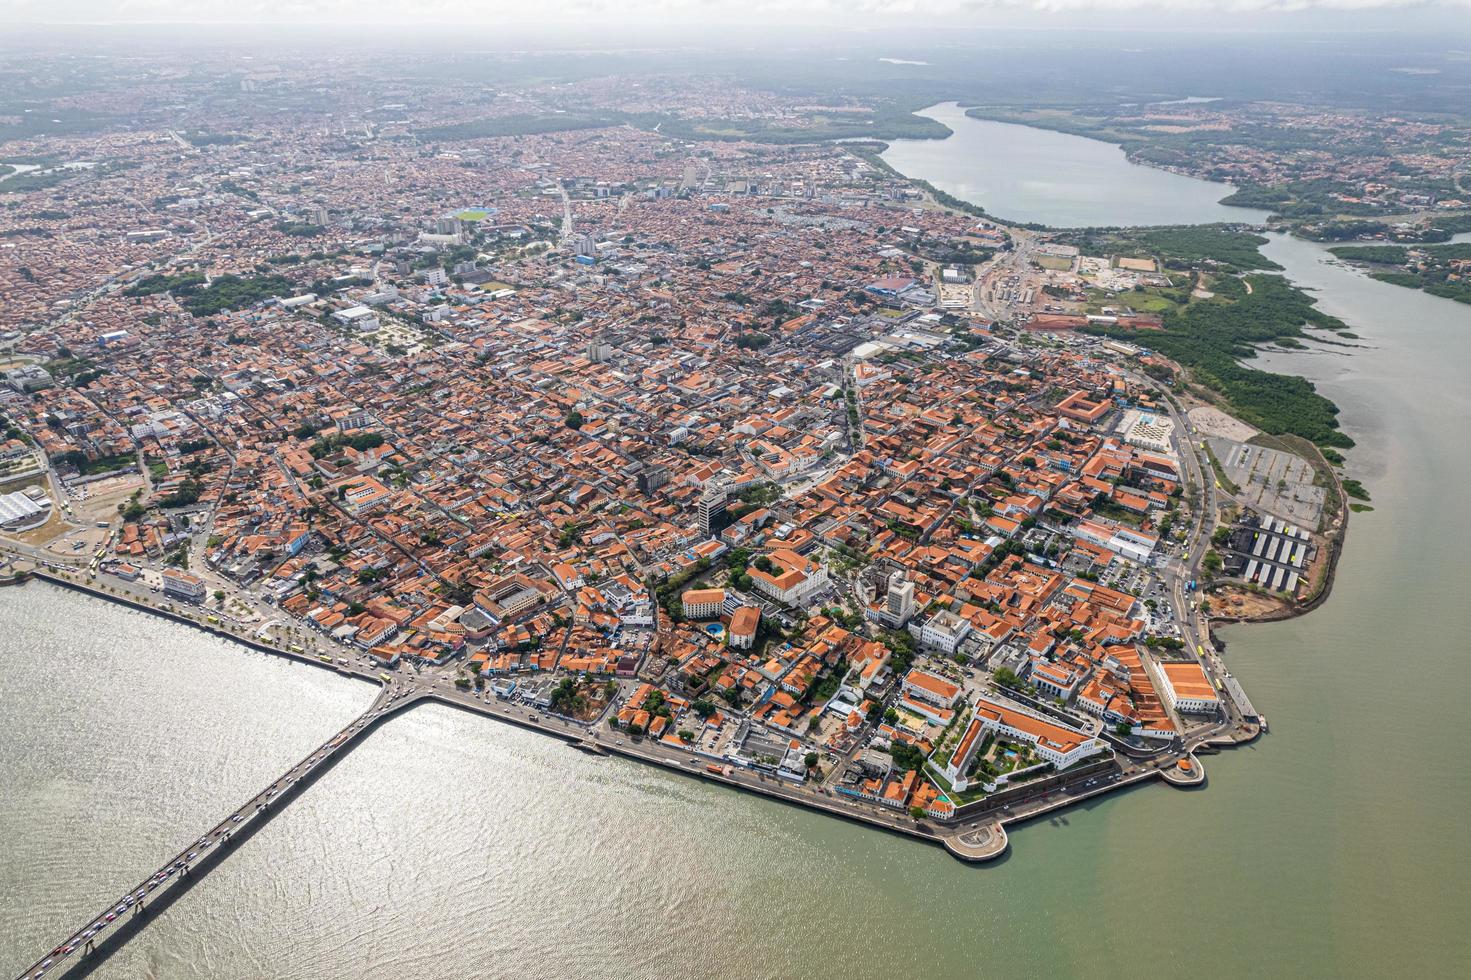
1242	603
77	541
1211	421
98	501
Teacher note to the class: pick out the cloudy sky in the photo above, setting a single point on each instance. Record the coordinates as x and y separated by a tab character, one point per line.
848	14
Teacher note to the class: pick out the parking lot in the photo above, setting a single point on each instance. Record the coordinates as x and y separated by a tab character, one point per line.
1276	482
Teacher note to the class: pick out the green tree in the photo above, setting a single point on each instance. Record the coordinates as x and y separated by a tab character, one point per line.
906	756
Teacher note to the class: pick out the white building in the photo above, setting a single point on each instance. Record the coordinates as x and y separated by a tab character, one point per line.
899	606
943	631
703	603
1054	680
359	318
1121	540
1185	688
744	624
932	688
711	505
1149	431
794	580
19	511
182	585
1058	744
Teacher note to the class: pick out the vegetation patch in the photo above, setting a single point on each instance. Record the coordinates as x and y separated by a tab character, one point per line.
1187	247
234	293
515	125
1213	338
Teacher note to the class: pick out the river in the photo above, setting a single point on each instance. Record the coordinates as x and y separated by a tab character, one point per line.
1024	174
16	169
448	845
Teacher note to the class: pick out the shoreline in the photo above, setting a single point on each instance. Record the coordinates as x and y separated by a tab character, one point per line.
1274	221
997	115
1054	797
1335	543
980	210
943	199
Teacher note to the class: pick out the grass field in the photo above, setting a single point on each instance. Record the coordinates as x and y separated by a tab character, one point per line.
1151	299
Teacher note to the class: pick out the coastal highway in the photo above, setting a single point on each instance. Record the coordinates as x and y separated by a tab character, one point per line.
1194	629
975	838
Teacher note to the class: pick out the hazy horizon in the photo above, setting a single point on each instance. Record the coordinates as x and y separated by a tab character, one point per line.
662	17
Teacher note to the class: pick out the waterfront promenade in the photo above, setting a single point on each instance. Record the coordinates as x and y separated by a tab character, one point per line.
978	838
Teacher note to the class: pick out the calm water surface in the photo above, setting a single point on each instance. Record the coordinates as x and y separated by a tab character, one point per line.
124	735
448	846
1024	174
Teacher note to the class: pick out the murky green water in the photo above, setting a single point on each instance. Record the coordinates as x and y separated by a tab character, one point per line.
1063	181
449	846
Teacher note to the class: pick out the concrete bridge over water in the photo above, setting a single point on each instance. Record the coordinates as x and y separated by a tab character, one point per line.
108	930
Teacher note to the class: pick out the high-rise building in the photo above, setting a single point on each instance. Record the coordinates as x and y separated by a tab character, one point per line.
899	603
651	478
712	507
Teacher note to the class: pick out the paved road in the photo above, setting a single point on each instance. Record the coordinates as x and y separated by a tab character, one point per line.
1194	628
172	875
404	688
566	211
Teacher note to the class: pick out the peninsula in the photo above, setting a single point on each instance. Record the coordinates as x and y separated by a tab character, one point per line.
753	460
